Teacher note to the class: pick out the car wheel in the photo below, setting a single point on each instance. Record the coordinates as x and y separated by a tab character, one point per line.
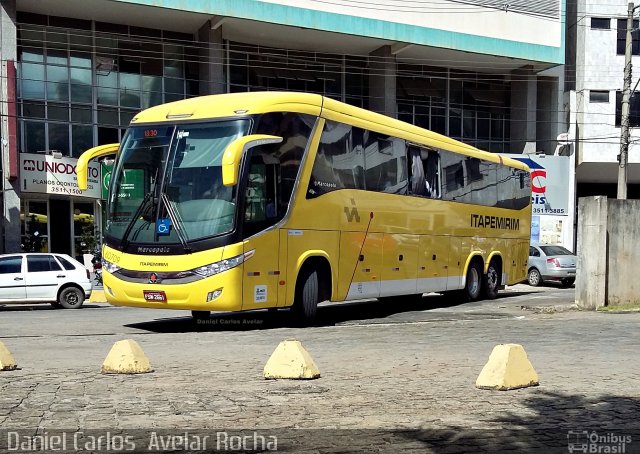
200	315
71	298
491	281
567	281
534	278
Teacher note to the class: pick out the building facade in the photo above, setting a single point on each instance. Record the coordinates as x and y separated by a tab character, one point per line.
596	35
74	72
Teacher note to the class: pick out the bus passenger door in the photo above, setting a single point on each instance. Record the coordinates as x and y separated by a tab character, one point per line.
262	270
433	263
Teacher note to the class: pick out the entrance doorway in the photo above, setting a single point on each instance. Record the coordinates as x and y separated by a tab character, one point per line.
60	225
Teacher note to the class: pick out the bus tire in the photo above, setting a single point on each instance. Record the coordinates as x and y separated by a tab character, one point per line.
200	315
491	280
305	305
473	282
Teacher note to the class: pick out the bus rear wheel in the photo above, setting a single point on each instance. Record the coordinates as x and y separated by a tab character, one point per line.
305	305
491	281
473	282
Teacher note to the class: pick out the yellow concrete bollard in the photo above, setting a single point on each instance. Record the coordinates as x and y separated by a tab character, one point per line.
508	368
126	357
290	360
97	296
6	359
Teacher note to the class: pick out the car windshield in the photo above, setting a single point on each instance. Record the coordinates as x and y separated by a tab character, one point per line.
167	183
555	250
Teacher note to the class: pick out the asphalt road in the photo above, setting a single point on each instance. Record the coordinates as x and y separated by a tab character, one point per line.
42	321
43	338
385	366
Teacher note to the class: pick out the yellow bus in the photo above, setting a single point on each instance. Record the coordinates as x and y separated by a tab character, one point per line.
263	200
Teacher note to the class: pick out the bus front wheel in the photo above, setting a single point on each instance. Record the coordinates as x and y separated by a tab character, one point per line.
305	305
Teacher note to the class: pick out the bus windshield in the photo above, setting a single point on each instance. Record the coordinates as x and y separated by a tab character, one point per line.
167	184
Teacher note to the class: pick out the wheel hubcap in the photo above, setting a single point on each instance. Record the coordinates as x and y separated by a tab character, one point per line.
533	277
492	278
72	299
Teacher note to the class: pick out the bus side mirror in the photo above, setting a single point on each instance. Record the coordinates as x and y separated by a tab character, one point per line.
234	152
92	153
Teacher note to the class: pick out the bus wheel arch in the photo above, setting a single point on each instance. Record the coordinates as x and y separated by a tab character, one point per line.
313	286
492	279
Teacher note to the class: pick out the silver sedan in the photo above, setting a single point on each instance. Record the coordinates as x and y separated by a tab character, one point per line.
551	263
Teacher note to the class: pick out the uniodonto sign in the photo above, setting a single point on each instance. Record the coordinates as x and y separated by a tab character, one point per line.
46	174
549	183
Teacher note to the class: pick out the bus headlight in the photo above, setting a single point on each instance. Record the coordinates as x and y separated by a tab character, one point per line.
223	265
110	267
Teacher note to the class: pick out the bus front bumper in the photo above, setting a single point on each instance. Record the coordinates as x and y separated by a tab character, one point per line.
221	292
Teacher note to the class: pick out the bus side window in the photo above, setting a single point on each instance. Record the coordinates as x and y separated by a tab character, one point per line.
425	172
339	162
417	179
432	174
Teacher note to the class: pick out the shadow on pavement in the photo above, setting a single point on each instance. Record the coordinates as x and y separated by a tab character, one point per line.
43	307
329	314
555	422
552	284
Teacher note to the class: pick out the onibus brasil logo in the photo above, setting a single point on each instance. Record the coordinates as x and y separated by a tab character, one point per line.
593	442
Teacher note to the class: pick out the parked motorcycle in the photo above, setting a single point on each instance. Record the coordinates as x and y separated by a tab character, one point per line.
96	261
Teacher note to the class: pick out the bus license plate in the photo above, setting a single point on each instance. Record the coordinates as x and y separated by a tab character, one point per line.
155	295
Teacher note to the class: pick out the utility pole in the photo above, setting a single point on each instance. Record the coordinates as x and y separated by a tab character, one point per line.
626	98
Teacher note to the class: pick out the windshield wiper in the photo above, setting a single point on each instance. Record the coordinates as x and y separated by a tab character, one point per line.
177	222
145	200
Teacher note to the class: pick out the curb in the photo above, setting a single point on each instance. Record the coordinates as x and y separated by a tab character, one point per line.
551	309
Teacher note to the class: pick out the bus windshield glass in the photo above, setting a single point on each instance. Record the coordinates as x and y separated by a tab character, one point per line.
167	184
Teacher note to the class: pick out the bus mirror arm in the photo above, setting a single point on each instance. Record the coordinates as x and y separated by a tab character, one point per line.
235	150
92	153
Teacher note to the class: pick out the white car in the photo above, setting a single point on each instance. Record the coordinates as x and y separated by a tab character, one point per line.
44	278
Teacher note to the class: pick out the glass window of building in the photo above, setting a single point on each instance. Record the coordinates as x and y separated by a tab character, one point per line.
80	82
470	107
84	231
34	226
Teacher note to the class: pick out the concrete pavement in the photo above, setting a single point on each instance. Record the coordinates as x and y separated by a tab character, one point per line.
383	368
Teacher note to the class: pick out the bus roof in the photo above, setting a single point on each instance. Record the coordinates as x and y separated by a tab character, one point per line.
233	105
